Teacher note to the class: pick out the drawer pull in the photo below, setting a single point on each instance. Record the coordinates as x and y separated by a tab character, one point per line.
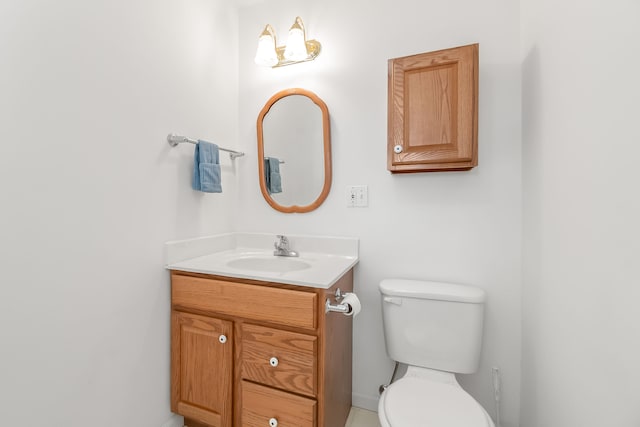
273	422
222	339
274	362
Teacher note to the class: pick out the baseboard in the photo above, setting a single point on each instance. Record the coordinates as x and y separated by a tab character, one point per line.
174	421
365	401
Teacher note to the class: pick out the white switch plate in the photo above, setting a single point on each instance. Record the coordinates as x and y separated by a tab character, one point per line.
357	196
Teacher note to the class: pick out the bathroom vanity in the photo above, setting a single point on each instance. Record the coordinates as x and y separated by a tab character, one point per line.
253	345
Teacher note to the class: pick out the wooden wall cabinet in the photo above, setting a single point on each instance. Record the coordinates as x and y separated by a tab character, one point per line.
244	353
433	111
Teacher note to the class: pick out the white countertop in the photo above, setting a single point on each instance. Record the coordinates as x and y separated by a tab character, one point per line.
325	259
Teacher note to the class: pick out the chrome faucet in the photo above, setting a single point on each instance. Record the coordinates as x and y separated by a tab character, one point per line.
282	247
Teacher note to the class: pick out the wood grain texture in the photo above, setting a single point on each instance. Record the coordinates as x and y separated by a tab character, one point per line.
237	373
431	107
280	306
260	404
433	111
199	415
326	138
202	369
296	354
190	422
327	347
335	360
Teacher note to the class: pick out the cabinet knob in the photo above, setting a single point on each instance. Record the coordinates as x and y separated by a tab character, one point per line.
273	362
273	422
222	339
397	149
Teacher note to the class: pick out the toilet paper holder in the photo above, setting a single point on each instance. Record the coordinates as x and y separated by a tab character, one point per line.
340	308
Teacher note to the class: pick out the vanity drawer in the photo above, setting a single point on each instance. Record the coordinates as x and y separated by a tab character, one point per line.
254	302
282	359
261	404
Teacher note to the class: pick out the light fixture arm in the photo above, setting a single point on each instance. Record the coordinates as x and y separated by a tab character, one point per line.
269	31
298	24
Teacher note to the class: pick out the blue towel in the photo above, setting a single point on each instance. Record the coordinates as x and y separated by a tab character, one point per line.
267	173
206	168
272	177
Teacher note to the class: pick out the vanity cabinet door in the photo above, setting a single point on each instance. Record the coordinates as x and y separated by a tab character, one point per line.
202	368
433	111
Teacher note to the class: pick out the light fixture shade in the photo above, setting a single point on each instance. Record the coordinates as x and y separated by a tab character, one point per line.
296	49
266	54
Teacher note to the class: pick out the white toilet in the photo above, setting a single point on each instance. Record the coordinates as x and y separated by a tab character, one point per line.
436	330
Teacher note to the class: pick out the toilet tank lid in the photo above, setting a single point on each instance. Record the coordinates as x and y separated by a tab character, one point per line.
432	290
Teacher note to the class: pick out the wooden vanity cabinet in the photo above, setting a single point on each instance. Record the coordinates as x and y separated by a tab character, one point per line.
244	353
433	111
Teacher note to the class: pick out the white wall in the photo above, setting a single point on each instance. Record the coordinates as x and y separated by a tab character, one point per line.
581	320
90	191
458	226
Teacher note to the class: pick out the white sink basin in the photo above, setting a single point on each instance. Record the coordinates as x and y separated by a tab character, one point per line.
275	264
322	260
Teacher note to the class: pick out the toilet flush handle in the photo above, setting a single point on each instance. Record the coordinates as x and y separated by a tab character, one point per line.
393	300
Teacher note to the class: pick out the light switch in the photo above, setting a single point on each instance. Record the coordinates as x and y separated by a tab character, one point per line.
357	196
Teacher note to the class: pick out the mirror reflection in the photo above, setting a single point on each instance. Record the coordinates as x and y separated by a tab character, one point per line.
293	143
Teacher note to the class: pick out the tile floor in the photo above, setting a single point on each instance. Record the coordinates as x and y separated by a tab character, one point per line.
362	418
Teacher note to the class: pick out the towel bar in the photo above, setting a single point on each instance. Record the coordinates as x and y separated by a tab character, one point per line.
279	161
174	140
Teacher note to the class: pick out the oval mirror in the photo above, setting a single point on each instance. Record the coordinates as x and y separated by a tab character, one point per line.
294	151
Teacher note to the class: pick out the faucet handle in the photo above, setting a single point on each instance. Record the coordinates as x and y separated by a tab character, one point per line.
282	247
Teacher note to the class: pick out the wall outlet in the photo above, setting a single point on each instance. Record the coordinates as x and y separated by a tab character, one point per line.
357	196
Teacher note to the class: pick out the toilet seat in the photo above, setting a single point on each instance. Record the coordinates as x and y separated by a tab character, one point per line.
420	402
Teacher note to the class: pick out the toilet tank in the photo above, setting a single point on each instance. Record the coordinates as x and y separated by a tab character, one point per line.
432	324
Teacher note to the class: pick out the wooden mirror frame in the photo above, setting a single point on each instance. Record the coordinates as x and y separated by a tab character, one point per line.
327	151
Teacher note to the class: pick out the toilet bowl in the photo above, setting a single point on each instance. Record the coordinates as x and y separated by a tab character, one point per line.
427	398
435	329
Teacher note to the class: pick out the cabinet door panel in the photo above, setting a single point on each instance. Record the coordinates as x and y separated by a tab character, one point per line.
202	368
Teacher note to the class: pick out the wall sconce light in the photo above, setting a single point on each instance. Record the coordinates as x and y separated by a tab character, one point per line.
297	49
